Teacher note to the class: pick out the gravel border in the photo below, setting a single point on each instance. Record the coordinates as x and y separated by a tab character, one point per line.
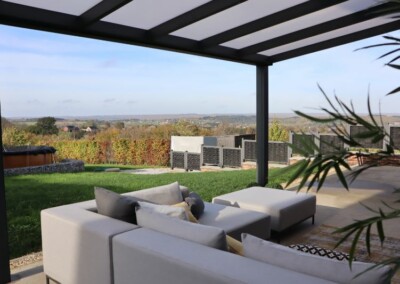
26	260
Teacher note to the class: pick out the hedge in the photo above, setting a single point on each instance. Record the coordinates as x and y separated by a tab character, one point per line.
153	152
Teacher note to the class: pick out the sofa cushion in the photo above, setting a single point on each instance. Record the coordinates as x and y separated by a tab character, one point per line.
206	235
333	270
116	206
166	194
196	204
172	211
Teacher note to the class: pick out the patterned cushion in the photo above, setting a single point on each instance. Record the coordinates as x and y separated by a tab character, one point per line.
321	251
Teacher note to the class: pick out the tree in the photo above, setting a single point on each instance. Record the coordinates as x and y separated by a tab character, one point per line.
120	125
14	137
315	167
277	132
5	123
106	125
45	126
186	128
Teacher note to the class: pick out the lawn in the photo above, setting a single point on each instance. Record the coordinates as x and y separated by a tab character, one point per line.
27	195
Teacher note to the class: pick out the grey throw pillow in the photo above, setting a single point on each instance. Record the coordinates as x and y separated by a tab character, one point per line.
196	204
185	191
202	234
116	206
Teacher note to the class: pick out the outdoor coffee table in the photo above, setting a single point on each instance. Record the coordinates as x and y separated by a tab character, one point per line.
286	208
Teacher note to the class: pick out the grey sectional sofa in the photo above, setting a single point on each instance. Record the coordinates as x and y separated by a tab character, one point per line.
82	246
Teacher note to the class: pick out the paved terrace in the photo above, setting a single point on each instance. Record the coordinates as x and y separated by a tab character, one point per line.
336	207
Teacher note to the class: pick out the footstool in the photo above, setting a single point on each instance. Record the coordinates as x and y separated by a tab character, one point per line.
286	208
236	221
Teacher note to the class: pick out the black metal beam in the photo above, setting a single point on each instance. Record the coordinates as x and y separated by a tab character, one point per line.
338	23
269	21
39	19
5	275
192	16
262	124
100	11
385	28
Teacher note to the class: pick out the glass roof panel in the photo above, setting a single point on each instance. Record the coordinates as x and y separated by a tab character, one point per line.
72	7
327	36
316	18
233	17
147	14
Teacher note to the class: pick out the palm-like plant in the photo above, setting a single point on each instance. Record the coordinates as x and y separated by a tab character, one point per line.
315	167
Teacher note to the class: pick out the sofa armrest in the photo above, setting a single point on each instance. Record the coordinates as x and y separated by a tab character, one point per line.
77	244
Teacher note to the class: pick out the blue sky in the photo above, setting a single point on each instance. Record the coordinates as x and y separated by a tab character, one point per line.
45	74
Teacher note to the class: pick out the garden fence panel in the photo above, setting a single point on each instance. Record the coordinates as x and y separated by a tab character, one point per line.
250	150
177	160
298	141
231	157
278	152
394	132
211	155
365	142
193	161
329	144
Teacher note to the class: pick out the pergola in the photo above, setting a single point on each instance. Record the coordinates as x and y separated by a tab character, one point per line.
256	32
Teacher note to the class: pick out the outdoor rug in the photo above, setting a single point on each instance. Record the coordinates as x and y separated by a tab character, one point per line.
323	237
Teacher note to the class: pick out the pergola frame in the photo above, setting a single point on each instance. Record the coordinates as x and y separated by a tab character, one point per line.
91	24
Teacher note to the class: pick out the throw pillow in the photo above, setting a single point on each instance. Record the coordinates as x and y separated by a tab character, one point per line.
116	206
166	194
321	251
168	210
196	204
189	214
185	191
202	234
234	246
329	269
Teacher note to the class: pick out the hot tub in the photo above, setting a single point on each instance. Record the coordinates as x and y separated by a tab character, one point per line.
27	156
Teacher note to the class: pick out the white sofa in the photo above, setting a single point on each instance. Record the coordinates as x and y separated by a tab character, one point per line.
82	246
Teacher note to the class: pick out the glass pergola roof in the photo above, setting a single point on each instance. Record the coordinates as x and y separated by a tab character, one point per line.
257	32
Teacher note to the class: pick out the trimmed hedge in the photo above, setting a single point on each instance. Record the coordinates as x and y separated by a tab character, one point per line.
153	152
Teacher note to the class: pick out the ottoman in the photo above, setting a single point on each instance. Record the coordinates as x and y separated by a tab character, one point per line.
236	221
286	208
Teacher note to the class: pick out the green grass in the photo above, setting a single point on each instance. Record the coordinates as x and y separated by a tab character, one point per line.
27	195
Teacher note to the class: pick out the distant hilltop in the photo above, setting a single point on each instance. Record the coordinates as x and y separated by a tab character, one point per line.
151	116
158	117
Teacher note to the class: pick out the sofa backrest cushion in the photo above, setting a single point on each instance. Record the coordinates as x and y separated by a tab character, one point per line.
205	235
330	269
116	206
172	211
166	194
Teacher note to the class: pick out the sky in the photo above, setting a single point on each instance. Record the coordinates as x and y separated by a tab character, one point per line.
47	74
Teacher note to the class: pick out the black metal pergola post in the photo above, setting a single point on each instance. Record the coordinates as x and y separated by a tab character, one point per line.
262	124
5	275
